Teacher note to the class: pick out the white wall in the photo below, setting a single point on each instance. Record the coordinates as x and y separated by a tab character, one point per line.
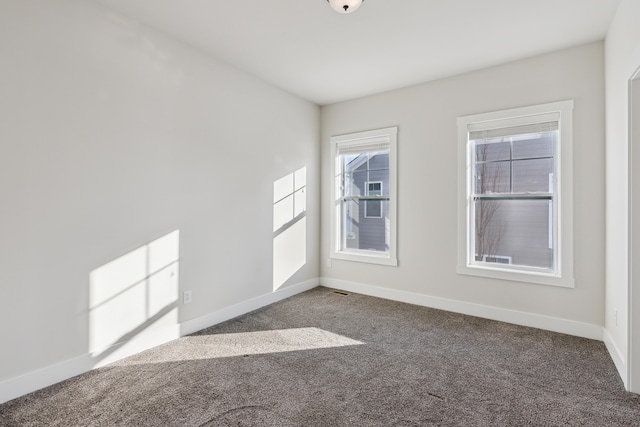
622	59
427	196
112	136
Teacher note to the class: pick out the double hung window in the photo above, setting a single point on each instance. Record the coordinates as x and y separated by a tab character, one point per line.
516	194
363	224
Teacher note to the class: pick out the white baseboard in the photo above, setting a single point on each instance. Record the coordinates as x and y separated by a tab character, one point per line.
616	356
32	381
199	323
570	327
52	374
35	380
140	343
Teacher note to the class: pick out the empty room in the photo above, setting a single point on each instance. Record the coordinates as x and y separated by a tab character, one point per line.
319	212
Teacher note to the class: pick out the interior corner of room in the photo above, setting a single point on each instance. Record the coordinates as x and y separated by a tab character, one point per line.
150	190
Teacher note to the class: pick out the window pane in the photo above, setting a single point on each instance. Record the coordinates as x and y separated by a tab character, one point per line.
373	234
373	209
533	145
350	225
492	150
492	177
365	222
532	175
379	170
354	183
514	232
353	161
365	233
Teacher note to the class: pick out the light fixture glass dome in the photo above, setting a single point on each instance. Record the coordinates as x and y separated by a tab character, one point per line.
345	6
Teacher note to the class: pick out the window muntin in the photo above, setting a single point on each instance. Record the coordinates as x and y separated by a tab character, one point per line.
364	192
515	187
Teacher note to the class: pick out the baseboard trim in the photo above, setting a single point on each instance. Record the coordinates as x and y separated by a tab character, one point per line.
199	323
32	381
49	375
41	378
555	324
616	356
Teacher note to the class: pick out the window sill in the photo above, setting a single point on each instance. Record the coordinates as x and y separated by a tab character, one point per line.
366	258
548	279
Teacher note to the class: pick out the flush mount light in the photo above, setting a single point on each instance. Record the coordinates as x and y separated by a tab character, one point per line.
345	6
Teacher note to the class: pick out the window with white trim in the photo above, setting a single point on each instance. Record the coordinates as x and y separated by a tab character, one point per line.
364	192
515	194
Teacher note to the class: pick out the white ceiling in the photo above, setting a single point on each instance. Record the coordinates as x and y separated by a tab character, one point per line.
305	48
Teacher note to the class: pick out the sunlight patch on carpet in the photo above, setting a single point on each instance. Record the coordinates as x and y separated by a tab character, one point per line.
247	343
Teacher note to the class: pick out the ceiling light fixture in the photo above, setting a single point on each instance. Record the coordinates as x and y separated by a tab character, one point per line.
345	6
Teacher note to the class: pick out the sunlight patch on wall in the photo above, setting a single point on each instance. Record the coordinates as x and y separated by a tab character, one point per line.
134	294
201	347
289	226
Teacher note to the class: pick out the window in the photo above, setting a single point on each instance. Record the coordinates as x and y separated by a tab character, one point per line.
364	221
373	208
515	194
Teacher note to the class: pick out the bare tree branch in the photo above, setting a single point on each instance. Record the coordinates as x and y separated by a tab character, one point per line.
488	236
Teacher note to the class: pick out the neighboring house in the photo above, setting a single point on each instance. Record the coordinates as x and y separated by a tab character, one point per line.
512	231
367	183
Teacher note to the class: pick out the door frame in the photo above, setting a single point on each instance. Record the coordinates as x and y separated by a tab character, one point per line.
633	327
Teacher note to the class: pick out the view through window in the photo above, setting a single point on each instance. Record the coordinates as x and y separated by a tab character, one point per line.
513	195
516	194
364	226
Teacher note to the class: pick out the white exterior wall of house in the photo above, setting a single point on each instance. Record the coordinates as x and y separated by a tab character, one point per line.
112	136
622	60
427	196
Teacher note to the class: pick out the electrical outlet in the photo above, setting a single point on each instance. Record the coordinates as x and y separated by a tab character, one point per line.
328	262
186	297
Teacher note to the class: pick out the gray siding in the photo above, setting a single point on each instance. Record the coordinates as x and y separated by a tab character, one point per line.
521	229
370	233
518	229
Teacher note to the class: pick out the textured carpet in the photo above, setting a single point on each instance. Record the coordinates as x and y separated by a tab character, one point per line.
323	359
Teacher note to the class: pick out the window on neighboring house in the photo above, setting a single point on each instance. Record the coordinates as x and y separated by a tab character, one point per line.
364	222
516	204
373	208
497	258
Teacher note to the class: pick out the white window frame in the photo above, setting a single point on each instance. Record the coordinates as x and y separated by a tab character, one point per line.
387	136
562	273
366	202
